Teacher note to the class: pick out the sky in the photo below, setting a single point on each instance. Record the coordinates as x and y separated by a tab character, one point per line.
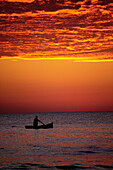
56	61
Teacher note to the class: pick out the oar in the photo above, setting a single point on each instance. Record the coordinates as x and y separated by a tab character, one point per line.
41	122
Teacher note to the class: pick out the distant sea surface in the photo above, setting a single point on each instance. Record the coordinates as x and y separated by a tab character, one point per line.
78	140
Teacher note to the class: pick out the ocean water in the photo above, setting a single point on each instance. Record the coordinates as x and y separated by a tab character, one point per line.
80	140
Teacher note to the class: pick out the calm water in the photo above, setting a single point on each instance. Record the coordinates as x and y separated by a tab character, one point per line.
78	140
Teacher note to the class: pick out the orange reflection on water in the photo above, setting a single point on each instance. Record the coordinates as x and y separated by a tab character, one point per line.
63	145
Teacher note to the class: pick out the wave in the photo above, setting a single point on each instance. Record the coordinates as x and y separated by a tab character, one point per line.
31	166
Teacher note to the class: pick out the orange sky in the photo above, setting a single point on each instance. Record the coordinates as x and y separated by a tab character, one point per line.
44	86
60	60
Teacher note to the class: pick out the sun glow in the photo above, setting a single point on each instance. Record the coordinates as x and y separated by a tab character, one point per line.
55	85
74	57
56	57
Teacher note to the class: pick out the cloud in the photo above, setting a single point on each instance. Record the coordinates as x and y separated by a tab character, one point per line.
46	34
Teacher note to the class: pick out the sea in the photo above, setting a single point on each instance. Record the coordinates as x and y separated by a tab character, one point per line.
78	140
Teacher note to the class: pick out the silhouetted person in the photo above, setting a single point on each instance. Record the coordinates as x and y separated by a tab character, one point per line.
36	120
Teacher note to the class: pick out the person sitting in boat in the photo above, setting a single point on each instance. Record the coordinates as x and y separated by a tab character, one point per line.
36	120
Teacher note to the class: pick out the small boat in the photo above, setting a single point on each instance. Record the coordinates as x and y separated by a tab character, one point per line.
46	126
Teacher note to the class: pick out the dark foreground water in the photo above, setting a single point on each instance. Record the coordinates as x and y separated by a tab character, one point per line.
77	141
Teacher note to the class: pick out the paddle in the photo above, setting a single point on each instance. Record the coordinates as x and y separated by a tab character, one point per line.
41	122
